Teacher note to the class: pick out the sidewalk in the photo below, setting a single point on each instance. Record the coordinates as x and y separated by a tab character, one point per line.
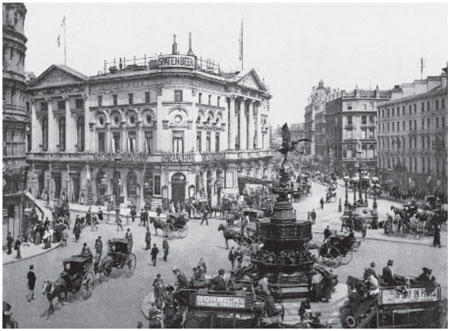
27	252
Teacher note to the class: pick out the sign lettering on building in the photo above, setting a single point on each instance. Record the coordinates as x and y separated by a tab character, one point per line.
215	301
393	296
176	61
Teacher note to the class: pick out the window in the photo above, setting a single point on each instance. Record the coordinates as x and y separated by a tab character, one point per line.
393	112
422	107
208	141
62	134
79	103
178	142
157	183
44	106
393	127
178	95
398	111
349	107
437	105
428	123
149	142
45	134
404	110
364	106
101	142
130	98
423	123
364	120
132	119
100	100
415	108
423	141
132	142
199	141
437	122
200	98
217	141
410	125
428	105
398	126
209	100
443	122
116	142
114	96
148	119
410	109
428	143
80	134
415	124
443	104
116	120
371	119
61	104
148	185
132	185
218	101
349	120
147	97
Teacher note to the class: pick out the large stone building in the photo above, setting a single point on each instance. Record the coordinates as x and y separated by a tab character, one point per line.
14	117
315	124
351	141
162	128
412	135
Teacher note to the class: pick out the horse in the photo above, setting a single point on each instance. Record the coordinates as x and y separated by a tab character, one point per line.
159	224
330	194
53	290
234	235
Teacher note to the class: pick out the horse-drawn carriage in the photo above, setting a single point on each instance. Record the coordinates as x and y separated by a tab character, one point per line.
338	250
119	256
174	223
356	217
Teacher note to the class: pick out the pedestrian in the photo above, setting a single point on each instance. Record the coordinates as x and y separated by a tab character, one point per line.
99	245
100	214
239	257
364	230
64	237
88	216
17	247
313	216
326	233
129	237
158	210
159	291
31	283
154	253
321	203
436	236
94	223
144	216
97	261
304	310
119	224
316	286
204	211
326	286
202	266
77	231
148	239
9	243
86	251
133	213
165	245
232	258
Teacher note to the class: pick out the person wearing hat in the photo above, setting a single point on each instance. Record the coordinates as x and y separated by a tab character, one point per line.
388	274
129	237
370	271
425	276
182	281
99	245
218	283
31	283
86	251
169	305
154	253
159	291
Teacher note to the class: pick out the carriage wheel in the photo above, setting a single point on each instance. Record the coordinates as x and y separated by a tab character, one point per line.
183	232
87	284
130	265
350	322
107	269
346	259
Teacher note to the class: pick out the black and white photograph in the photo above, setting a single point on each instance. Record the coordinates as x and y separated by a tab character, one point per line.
225	165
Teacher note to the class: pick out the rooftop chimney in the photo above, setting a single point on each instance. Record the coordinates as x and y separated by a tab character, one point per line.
190	52
174	45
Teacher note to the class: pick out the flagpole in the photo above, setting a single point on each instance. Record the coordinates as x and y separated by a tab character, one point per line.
65	54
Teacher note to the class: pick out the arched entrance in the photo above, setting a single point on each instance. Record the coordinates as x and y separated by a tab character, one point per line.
178	188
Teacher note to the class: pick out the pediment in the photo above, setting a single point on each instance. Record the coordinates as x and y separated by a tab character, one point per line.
251	80
57	76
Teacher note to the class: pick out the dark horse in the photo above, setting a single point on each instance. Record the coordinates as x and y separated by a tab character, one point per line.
54	290
159	224
233	235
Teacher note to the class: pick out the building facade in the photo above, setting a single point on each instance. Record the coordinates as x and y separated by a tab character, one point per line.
315	120
160	129
351	139
412	135
15	118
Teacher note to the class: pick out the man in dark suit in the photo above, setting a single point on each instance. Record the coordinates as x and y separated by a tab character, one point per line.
218	283
154	253
388	274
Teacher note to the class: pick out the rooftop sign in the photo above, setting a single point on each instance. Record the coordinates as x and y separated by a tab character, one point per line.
176	61
217	301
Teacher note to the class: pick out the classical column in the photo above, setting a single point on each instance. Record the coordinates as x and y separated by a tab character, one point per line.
69	123
108	147
139	138
34	129
87	144
251	125
243	126
258	136
233	124
123	138
52	133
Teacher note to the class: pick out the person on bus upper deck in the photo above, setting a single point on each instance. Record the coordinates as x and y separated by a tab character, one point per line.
218	283
388	274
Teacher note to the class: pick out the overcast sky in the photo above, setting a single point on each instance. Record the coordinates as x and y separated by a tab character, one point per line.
292	45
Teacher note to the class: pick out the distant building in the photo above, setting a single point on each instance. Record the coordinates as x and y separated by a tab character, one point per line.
275	136
412	135
315	124
298	132
351	139
15	118
147	130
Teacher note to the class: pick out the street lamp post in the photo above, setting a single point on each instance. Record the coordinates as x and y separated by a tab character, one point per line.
346	179
117	184
48	188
